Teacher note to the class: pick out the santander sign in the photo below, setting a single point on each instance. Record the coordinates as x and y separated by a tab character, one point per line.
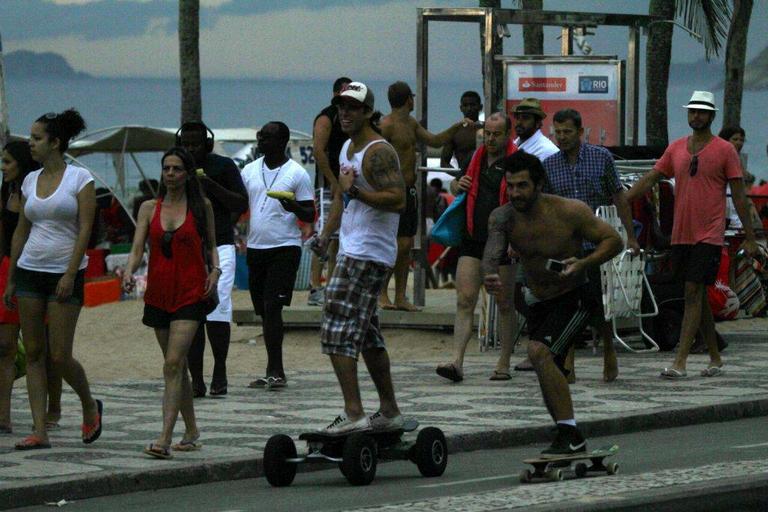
541	84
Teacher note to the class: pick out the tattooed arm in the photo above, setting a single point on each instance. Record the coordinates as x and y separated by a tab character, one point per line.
382	170
496	247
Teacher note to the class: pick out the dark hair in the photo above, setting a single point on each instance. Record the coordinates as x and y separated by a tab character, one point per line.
64	126
19	150
375	121
436	182
507	120
729	131
339	83
472	94
195	194
521	161
398	93
282	130
148	186
568	113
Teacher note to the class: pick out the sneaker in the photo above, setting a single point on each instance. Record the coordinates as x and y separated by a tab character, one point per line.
381	423
568	441
316	297
343	425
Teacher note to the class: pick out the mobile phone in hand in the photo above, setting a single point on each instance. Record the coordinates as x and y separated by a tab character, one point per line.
555	266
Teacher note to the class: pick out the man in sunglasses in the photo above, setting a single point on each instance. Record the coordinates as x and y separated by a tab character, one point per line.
586	172
221	182
702	165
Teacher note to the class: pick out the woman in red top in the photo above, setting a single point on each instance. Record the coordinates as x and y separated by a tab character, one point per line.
179	227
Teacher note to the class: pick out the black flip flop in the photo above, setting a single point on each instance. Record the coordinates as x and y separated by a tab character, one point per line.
95	435
449	372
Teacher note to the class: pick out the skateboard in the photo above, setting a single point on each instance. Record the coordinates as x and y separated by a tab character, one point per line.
551	468
357	453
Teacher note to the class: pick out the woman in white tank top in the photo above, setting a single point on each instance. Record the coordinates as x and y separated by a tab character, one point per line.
47	269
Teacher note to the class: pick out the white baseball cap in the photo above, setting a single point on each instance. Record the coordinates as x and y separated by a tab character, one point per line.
357	91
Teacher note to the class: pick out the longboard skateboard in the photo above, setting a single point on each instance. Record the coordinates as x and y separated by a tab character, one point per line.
356	453
551	468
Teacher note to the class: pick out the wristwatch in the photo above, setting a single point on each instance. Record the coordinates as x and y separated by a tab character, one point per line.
353	192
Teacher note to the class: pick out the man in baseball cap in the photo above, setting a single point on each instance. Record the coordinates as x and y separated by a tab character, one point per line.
355	91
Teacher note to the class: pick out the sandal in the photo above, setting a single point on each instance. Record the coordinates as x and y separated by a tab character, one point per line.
187	445
92	432
158	452
275	382
712	371
499	375
258	383
673	374
450	372
32	442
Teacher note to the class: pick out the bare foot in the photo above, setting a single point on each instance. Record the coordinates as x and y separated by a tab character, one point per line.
610	368
406	306
385	303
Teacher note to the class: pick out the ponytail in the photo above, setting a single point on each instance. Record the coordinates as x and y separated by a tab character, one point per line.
64	126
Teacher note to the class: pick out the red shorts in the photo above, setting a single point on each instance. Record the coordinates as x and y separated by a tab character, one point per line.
6	316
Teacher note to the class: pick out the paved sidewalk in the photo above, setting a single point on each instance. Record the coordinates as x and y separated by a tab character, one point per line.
477	413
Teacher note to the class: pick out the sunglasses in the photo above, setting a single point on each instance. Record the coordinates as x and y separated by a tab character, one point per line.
165	244
694	168
51	115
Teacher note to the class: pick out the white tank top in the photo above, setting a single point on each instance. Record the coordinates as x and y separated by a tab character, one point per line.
366	233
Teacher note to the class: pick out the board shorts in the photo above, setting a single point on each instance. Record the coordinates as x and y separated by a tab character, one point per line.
697	263
557	322
409	218
350	322
272	275
474	249
223	311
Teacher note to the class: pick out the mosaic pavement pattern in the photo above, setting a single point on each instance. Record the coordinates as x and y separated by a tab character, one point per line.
586	491
239	425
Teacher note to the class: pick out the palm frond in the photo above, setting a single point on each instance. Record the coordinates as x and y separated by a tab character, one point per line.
709	18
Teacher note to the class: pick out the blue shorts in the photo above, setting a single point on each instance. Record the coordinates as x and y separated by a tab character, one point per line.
42	285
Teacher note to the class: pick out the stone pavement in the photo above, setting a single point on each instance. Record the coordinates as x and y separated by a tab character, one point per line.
477	413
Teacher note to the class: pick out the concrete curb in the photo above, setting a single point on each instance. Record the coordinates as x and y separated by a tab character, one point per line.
743	493
241	468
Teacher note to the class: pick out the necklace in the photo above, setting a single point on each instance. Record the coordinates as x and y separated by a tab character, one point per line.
264	180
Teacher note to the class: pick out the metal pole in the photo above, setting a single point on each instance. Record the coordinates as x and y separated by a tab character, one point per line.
488	86
422	77
633	82
566	41
3	104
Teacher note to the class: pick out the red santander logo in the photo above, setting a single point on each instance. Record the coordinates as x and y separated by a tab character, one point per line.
541	84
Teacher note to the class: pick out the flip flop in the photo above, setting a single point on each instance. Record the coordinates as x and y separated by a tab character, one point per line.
187	445
32	442
258	383
450	372
275	382
158	452
712	371
92	432
673	374
497	375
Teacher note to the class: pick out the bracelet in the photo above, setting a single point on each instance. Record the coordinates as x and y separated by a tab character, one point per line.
217	268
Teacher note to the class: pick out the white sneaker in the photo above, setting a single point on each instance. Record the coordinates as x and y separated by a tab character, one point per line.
316	297
343	425
380	423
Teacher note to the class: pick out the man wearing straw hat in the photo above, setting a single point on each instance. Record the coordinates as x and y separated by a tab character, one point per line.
702	165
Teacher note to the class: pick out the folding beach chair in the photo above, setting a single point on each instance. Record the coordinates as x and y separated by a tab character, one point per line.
488	328
623	280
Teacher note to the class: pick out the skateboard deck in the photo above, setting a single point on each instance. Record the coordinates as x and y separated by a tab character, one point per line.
410	425
551	468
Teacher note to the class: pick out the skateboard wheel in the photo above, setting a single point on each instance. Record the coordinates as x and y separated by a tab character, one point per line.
580	469
431	452
359	459
526	476
612	468
279	472
554	475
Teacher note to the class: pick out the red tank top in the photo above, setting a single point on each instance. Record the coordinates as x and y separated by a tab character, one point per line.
179	280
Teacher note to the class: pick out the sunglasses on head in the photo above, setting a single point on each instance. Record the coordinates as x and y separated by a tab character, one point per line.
165	244
694	167
51	115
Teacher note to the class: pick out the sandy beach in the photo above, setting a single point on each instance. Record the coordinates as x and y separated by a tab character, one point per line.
113	344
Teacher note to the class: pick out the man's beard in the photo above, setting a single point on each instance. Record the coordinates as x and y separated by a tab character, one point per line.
524	205
705	126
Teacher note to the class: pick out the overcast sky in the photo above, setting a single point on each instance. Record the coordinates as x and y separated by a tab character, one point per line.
301	39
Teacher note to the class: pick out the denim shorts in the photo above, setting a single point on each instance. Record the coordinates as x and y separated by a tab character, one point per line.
42	285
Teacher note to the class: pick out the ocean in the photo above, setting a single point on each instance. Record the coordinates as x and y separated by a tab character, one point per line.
107	102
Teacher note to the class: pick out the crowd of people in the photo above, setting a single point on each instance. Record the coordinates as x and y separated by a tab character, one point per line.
531	238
